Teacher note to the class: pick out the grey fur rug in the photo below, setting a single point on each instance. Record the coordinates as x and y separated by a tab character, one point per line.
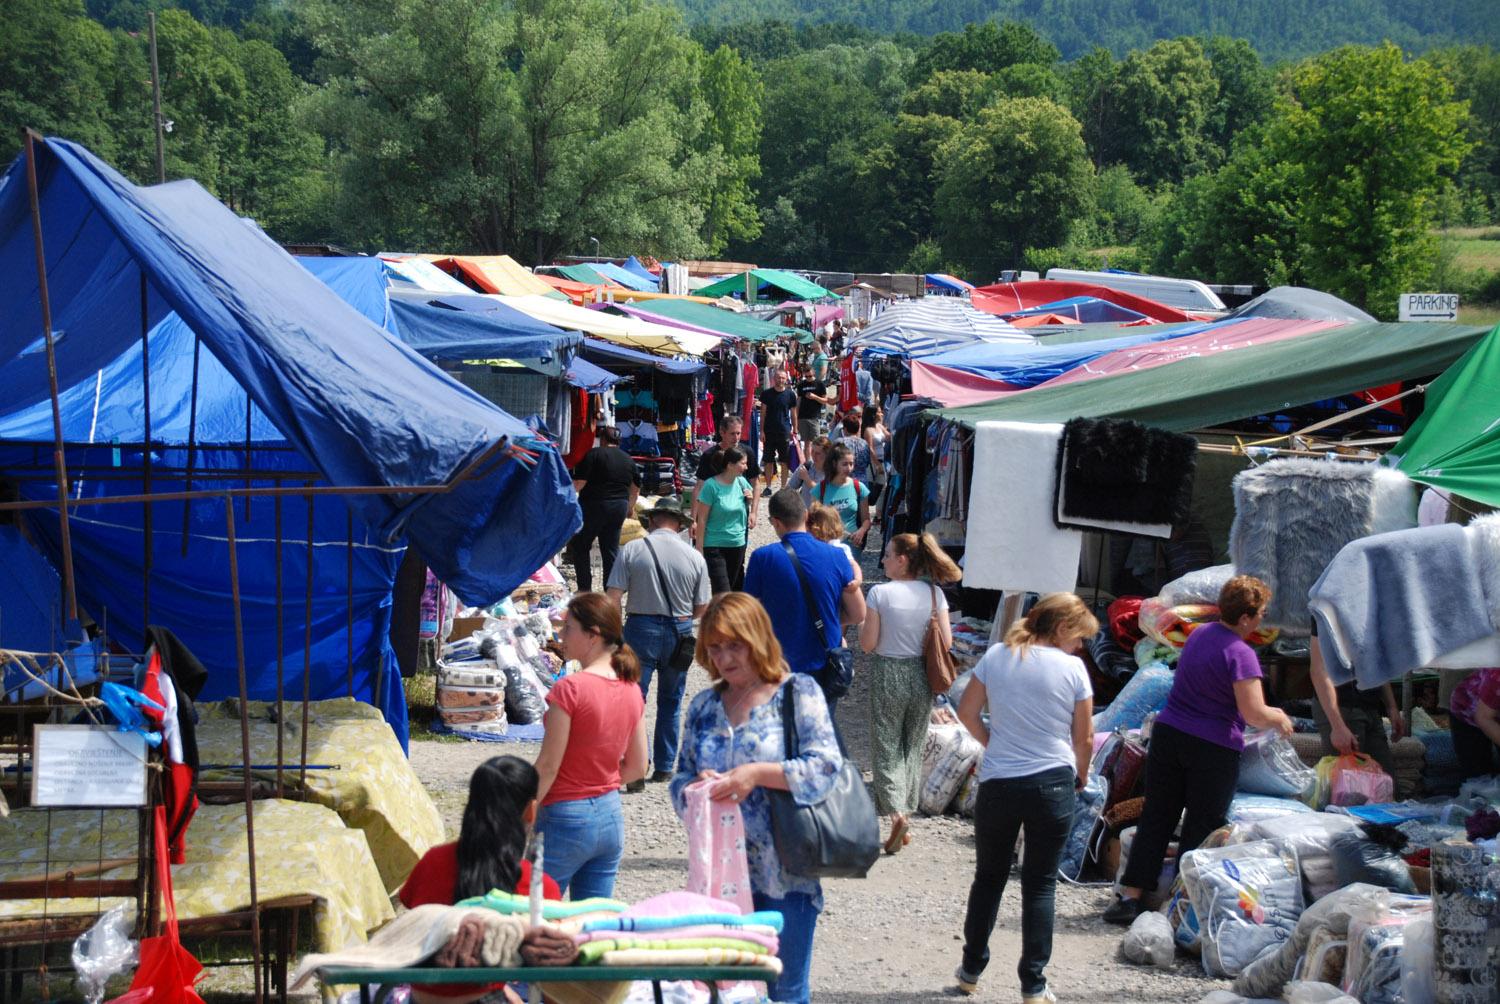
1291	516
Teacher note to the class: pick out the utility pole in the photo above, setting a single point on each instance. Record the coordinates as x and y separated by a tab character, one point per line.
161	163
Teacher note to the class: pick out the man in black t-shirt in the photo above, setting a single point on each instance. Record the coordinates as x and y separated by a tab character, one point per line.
729	435
607	482
776	406
812	398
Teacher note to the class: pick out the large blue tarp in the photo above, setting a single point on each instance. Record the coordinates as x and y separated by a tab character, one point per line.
610	354
33	619
455	327
625	277
1083	309
1029	365
332	399
634	266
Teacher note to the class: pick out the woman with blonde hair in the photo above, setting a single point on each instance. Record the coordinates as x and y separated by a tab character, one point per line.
733	738
825	524
595	741
897	614
1036	755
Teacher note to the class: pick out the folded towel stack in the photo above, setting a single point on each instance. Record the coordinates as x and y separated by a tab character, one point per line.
683	929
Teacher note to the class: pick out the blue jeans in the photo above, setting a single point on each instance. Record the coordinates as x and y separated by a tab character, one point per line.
585	839
654	637
1042	805
799	921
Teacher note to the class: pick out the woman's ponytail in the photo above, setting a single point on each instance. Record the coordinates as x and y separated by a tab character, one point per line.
926	558
1056	616
626	663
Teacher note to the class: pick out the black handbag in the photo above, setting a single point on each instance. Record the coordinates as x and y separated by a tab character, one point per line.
687	645
837	674
837	838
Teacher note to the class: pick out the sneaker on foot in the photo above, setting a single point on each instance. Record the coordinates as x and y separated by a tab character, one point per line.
1045	997
966	984
765	492
635	787
658	776
1123	911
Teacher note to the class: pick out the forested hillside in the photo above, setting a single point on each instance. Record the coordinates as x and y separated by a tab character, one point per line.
1279	29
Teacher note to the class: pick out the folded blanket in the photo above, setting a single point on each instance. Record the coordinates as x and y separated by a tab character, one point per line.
410	939
1291	517
552	909
761	918
759	933
593	951
769	964
1392	603
1117	474
1017	545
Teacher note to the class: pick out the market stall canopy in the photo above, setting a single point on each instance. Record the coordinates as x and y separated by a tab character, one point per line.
632	310
1201	391
567	289
1184	294
950	283
1076	310
581	273
1301	303
418	273
474	326
1009	297
619	357
725	322
922	327
629	331
794	285
819	313
586	376
626	278
1455	443
636	266
498	273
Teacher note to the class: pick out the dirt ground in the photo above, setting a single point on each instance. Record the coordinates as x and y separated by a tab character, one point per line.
894	936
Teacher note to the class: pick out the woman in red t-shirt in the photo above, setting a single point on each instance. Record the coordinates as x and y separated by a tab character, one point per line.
487	855
595	741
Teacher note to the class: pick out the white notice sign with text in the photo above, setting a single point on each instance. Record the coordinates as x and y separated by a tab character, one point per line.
88	765
1427	307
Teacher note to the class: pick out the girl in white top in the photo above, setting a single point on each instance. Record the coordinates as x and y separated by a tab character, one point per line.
1036	755
896	617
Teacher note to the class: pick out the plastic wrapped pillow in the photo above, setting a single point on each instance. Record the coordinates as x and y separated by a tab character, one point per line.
1372	972
1248	898
1326	919
948	773
1146	692
1306	992
1269	765
1248	809
1202	586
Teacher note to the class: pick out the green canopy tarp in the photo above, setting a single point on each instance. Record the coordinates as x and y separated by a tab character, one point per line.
1209	390
584	274
1455	443
714	318
794	285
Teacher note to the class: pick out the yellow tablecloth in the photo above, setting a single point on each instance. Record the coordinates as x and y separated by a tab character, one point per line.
300	849
374	789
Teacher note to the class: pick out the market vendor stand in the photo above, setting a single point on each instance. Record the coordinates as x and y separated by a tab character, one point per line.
387	979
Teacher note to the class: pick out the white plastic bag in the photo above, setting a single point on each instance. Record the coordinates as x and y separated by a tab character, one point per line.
1418	963
1149	941
1269	765
103	951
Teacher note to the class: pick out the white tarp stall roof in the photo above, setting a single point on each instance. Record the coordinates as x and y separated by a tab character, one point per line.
631	331
921	327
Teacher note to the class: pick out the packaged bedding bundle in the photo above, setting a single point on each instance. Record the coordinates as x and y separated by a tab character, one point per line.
1269	765
1377	936
1308	835
1324	922
1247	898
951	766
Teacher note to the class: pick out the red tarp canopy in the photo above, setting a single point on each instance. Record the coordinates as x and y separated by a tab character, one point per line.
1008	297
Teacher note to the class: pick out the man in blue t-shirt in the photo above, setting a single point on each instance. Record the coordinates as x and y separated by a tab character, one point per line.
772	579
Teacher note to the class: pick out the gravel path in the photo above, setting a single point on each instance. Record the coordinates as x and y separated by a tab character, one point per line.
894	936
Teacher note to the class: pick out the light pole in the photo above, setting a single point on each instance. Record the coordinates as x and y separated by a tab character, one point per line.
596	246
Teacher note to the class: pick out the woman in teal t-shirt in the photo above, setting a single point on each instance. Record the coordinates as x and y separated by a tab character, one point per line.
843	492
724	515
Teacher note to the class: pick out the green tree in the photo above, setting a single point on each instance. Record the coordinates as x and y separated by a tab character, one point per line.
1089	81
1377	139
1161	101
528	127
1247	90
956	94
986	47
1015	177
733	91
893	186
51	60
1474	72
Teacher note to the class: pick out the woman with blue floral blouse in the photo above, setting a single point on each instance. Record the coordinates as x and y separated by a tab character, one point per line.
733	737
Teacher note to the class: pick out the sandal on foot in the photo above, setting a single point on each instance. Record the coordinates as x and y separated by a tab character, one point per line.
898	838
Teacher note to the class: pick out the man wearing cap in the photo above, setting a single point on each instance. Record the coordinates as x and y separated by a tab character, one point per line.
664	581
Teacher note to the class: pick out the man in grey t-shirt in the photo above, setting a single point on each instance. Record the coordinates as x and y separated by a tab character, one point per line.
655	620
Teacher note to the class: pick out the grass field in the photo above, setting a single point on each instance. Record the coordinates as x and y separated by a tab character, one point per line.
1478	247
1486	314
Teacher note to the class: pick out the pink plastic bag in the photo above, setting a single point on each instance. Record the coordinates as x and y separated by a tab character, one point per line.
1358	780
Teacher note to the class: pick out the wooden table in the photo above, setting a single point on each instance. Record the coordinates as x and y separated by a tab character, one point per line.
386	979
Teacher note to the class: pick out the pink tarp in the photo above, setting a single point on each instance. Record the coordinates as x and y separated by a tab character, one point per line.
954	387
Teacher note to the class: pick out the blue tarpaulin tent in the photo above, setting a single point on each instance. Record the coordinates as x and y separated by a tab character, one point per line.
625	277
1029	365
323	396
462	326
634	266
619	355
1083	309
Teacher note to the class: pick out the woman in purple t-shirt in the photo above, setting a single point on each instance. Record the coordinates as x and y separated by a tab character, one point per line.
1194	759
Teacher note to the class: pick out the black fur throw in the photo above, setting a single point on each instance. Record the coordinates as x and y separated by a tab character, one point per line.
1124	472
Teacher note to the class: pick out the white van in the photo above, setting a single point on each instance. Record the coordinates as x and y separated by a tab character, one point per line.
1184	294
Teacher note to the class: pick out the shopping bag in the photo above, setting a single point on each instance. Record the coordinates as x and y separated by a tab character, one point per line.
1356	779
168	969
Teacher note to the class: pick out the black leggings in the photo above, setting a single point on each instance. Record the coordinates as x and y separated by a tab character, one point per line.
602	522
726	568
1182	772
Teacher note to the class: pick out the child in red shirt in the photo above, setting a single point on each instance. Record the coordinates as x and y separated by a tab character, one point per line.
486	856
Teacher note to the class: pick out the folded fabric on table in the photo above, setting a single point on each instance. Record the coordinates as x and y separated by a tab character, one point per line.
595	950
552	909
761	918
1382	610
1117	474
421	933
1291	516
760	934
1018	545
691	957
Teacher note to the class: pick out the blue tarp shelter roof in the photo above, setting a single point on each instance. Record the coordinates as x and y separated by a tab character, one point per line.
1083	309
610	354
625	277
471	326
586	376
633	265
1029	365
331	398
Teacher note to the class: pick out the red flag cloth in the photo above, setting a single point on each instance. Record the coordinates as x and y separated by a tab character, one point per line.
168	969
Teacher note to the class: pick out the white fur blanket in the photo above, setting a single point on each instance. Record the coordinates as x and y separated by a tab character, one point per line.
1013	542
1392	603
1291	516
